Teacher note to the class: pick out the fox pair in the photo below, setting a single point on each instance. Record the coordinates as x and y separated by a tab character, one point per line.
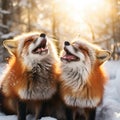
38	81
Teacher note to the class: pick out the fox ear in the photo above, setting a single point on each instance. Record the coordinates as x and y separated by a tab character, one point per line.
10	45
103	55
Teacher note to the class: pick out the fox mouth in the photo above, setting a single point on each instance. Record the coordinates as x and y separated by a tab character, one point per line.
41	48
69	56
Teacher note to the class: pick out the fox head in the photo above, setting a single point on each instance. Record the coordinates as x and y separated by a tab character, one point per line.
79	60
81	53
31	48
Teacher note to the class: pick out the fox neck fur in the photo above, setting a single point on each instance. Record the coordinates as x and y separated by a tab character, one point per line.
84	88
36	83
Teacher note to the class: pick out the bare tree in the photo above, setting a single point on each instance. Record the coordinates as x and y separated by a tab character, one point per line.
5	25
116	29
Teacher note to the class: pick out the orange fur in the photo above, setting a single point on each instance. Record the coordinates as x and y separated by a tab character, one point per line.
82	75
15	78
96	82
32	73
95	85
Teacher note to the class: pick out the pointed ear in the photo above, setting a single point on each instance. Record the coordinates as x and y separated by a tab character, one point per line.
10	45
103	55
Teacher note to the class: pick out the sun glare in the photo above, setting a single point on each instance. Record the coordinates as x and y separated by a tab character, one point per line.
78	9
83	4
83	15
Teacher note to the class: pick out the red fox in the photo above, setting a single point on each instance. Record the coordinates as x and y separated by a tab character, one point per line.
32	73
83	77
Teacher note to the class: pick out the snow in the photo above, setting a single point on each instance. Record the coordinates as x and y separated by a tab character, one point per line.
4	11
9	35
3	26
48	118
29	117
110	107
2	67
9	117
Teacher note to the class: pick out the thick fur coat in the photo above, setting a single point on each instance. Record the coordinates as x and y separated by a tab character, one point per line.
31	76
82	75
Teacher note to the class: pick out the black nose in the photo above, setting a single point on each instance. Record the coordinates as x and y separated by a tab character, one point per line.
66	43
42	35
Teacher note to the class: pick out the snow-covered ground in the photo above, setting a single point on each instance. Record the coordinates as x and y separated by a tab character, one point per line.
110	108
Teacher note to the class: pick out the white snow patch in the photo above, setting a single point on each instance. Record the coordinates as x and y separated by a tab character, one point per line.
4	11
9	35
48	118
8	117
110	108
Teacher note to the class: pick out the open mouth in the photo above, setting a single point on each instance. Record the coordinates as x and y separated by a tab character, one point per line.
41	48
69	56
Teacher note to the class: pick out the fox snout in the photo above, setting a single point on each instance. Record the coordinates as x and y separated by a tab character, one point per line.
66	43
43	35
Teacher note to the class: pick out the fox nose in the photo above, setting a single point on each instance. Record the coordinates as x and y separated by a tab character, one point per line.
66	43
42	35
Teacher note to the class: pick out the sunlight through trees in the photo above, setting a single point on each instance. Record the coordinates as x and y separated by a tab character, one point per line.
97	21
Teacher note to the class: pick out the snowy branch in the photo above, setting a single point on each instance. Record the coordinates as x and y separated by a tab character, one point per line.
3	26
8	36
4	11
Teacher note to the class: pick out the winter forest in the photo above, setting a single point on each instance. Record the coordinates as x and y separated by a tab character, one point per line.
97	21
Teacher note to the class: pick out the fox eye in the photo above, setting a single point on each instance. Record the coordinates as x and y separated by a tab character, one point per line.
28	41
76	49
84	50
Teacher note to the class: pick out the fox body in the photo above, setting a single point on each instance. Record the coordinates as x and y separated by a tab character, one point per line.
82	75
32	73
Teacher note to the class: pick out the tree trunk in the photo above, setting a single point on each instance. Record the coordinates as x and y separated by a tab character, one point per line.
6	5
5	21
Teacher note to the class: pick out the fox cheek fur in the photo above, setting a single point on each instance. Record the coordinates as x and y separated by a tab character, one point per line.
31	76
83	77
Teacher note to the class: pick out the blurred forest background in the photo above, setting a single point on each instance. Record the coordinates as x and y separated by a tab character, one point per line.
97	21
